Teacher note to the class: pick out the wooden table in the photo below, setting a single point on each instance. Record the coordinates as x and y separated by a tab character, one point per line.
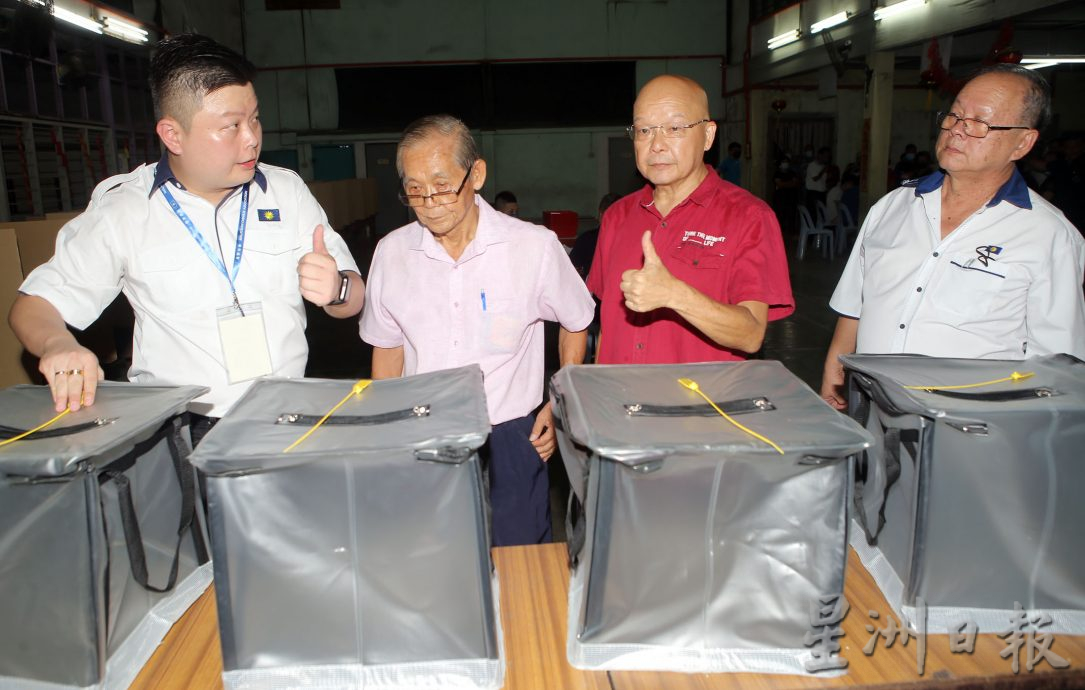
534	587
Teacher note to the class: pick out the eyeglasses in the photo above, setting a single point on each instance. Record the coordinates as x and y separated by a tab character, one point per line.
974	128
440	198
644	132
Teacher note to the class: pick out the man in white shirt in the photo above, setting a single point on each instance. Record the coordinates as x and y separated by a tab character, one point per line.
969	263
214	252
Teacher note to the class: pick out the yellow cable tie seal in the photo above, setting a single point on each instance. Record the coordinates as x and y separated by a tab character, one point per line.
356	389
1014	377
38	428
692	385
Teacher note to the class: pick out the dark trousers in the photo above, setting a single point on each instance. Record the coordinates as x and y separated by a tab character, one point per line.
199	425
519	485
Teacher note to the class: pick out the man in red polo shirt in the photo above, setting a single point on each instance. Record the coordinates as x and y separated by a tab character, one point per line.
690	268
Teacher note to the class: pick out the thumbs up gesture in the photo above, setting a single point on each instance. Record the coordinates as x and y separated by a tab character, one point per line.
650	287
318	274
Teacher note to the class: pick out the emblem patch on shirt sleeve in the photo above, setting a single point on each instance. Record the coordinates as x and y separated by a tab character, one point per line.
268	214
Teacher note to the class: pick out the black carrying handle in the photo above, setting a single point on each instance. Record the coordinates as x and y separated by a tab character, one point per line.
416	412
133	537
7	432
741	406
893	440
997	396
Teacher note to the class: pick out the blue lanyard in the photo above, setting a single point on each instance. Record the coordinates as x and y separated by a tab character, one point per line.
196	235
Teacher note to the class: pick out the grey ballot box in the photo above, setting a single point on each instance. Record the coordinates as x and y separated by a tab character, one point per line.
361	557
703	549
969	503
101	539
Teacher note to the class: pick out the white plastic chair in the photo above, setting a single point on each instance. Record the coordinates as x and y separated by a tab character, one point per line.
821	216
845	226
821	235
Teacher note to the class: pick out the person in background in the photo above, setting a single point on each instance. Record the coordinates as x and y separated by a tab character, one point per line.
584	247
730	168
506	203
816	180
785	197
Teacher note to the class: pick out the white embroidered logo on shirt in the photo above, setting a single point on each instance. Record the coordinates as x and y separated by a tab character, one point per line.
701	238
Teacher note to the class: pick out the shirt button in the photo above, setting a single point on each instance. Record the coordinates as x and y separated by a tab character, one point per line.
663	224
456	304
696	261
919	289
640	346
902	327
936	253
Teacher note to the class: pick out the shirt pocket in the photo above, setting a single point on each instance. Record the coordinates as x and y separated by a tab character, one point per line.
502	325
172	273
698	256
968	288
272	257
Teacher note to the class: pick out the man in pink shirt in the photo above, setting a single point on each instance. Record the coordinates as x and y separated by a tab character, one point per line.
466	284
689	268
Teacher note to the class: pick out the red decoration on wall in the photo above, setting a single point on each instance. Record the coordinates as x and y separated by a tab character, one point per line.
1001	51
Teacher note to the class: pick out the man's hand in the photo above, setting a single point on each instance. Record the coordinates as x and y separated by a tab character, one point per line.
652	286
318	274
542	433
832	385
72	372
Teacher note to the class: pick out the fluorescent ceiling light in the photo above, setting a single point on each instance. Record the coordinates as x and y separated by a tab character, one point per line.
784	39
1048	60
836	19
77	19
124	30
893	10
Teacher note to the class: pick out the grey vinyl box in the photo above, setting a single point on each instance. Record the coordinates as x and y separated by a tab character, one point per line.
361	557
704	549
83	505
970	499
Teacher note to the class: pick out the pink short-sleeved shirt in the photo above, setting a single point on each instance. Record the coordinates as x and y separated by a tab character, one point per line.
485	308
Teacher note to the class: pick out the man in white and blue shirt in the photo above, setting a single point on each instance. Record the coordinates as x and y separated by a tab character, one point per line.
967	262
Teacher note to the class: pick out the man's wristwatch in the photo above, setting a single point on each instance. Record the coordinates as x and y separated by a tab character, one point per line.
344	289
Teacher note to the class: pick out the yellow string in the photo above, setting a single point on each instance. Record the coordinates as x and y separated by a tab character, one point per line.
692	385
1015	377
38	428
356	389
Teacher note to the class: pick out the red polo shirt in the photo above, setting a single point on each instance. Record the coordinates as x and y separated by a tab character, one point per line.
721	240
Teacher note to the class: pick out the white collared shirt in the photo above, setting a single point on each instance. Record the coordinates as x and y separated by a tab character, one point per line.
129	240
487	307
1005	284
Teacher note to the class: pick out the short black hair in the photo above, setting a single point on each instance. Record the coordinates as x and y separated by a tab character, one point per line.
733	144
505	197
1037	106
187	67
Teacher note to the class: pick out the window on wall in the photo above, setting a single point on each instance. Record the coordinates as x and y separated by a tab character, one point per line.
763	8
488	96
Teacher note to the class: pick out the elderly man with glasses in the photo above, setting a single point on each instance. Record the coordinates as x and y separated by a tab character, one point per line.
967	262
689	268
466	284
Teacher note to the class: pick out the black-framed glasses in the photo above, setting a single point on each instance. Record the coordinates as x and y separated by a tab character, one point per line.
973	127
671	131
440	198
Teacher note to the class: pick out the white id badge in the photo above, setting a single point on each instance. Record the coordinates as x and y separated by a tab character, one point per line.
244	342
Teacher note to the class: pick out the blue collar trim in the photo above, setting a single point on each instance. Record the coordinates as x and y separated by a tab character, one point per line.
163	174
